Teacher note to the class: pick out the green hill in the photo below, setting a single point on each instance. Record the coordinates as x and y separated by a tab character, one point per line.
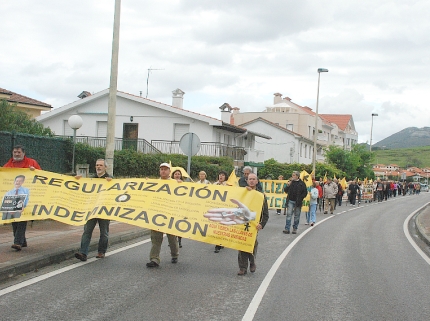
406	138
403	157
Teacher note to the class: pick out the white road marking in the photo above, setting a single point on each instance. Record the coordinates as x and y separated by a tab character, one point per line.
65	269
408	236
256	300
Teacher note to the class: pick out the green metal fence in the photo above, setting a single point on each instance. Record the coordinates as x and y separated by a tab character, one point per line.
52	153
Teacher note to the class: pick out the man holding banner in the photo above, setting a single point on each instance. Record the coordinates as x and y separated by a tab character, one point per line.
244	257
157	236
101	168
19	160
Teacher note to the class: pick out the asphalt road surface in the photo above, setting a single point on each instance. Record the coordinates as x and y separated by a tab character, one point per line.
355	265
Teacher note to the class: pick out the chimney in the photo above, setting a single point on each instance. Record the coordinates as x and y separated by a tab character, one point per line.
178	98
84	94
277	99
225	113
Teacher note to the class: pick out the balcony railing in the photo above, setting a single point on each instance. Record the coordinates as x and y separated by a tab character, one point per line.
206	149
140	145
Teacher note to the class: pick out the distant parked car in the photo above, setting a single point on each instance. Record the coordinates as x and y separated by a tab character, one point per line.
424	187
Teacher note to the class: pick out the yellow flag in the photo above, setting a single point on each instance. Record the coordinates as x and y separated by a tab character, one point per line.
325	178
343	183
307	179
334	176
233	180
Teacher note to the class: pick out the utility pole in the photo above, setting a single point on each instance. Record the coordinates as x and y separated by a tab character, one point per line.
110	136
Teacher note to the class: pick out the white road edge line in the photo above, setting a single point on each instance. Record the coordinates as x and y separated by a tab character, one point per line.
65	269
408	236
256	300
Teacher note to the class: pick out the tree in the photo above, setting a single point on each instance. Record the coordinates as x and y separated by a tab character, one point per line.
16	120
355	163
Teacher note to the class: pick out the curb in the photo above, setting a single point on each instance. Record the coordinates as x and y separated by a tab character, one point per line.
61	254
421	232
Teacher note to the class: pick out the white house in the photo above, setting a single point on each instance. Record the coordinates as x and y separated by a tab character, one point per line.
332	129
285	146
151	126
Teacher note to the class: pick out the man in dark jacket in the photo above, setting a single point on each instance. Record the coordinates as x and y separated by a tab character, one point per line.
353	190
296	191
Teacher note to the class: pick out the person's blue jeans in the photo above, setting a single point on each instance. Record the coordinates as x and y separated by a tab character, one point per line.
88	232
290	210
312	213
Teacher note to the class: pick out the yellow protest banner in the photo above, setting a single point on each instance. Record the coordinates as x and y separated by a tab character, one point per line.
275	195
220	215
274	191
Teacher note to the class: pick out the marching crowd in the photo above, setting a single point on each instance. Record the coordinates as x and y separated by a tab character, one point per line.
323	194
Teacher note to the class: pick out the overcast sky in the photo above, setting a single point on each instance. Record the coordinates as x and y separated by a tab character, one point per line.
239	52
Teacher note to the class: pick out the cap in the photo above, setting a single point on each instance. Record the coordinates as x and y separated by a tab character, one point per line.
165	165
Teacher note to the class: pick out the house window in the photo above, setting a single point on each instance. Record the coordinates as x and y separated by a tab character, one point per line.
227	139
180	130
68	131
290	127
101	128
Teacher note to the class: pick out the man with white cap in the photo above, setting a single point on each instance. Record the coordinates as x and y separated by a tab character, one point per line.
157	237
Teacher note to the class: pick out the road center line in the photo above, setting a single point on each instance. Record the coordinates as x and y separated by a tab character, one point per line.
256	300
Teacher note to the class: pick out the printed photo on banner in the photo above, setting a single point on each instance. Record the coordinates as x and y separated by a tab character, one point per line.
15	200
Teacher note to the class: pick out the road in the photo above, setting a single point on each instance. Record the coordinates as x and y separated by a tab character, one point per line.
355	265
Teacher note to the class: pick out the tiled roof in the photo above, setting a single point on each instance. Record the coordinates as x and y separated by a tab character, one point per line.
17	98
340	120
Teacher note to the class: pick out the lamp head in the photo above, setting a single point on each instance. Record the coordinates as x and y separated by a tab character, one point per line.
75	121
374	115
322	70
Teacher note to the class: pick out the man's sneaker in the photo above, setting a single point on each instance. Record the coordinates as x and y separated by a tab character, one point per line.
81	257
152	264
325	213
286	231
252	267
294	231
24	244
16	247
100	255
174	260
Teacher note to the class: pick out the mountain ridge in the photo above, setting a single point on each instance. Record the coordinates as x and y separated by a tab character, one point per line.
406	138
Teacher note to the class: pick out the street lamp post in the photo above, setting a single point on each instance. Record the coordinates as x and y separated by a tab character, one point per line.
314	154
75	122
371	130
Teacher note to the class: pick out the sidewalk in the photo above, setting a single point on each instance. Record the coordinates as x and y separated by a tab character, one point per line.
51	242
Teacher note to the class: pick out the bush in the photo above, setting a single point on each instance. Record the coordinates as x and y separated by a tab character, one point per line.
129	163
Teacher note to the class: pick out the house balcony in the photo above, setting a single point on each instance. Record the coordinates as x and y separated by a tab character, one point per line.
206	149
140	145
